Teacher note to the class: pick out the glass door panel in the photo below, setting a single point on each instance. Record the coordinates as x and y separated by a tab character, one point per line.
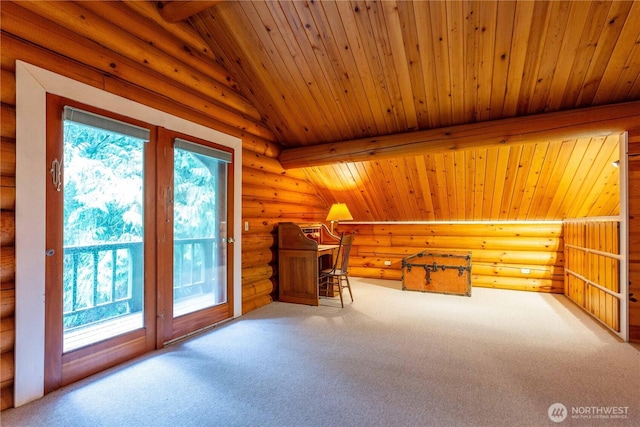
199	227
103	228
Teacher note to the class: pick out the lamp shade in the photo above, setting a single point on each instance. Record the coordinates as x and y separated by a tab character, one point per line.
339	212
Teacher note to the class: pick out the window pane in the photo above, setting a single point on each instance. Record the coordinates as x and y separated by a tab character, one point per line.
200	234
103	234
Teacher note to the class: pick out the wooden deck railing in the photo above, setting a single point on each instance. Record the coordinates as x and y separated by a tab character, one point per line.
106	281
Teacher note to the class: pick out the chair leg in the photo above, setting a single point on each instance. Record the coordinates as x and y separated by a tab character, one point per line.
340	290
349	287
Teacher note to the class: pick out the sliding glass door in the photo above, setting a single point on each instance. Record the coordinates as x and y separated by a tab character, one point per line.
137	246
198	227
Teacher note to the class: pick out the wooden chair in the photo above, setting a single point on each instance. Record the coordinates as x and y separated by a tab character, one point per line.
333	278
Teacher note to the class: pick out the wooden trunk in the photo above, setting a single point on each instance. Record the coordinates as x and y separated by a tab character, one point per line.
440	272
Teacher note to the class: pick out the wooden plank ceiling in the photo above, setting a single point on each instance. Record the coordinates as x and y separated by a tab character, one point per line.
330	71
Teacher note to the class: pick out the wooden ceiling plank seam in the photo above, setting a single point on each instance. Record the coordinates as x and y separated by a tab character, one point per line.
331	23
452	105
408	16
609	202
535	52
205	23
219	23
566	150
553	151
388	76
517	59
604	49
350	193
479	183
355	54
533	177
376	183
501	175
470	91
549	55
622	69
395	193
386	181
519	187
369	190
455	180
358	43
316	176
489	182
353	195
154	35
407	170
441	180
400	70
634	93
424	188
510	181
406	202
301	60
565	62
428	59
487	45
598	189
598	12
411	174
362	21
566	177
502	53
590	171
321	42
292	89
434	186
469	183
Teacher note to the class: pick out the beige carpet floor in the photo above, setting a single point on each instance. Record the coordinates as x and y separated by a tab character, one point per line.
391	358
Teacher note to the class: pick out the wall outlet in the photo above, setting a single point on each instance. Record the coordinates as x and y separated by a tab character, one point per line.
387	262
246	226
525	270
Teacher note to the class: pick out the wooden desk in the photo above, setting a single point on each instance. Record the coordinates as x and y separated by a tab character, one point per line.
303	251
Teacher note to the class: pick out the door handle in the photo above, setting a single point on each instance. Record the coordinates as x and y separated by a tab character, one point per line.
231	240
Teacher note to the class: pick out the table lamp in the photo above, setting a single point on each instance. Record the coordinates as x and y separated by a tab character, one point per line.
338	212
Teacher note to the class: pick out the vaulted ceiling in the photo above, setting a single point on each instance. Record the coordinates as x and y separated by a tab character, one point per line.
331	71
326	71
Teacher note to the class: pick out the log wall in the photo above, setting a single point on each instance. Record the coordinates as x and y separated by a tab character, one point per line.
633	159
504	255
592	268
78	41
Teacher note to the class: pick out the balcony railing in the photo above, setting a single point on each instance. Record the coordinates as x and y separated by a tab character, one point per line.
106	281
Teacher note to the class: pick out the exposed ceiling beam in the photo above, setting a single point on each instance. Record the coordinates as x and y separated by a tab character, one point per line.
594	121
175	11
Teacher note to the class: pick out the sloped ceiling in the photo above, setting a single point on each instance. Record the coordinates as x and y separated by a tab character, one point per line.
329	71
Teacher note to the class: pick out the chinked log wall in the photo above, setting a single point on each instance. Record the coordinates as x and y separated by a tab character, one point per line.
507	256
107	45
